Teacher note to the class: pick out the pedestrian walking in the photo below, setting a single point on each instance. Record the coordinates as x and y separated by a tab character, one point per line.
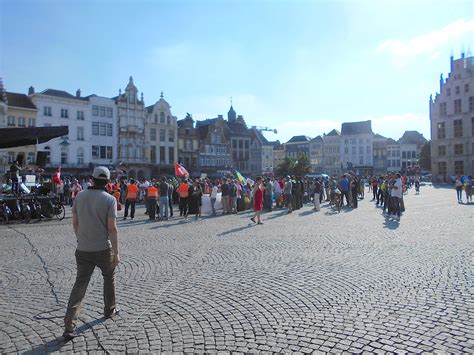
459	185
131	199
258	196
94	216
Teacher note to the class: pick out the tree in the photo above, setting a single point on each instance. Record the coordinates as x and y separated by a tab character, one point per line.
301	166
425	156
285	167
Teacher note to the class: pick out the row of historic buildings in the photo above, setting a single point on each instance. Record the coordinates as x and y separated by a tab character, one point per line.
125	134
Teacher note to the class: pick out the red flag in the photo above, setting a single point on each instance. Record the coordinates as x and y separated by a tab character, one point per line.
179	170
57	176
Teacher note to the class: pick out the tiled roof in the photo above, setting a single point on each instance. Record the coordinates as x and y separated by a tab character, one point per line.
379	136
261	137
299	139
412	137
238	129
206	122
316	139
20	100
391	141
334	132
362	127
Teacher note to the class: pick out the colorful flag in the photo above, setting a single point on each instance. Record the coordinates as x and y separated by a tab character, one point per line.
240	178
179	170
57	176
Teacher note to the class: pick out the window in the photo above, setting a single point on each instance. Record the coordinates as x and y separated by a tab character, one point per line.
458	149
442	109
368	149
162	117
457	106
21	122
47	111
168	120
241	144
441	130
442	168
162	155
466	87
457	128
11	121
153	134
95	128
31	122
11	157
64	155
156	118
458	167
188	145
152	154
95	152
448	92
162	135
457	90
109	112
64	113
95	111
80	156
109	129
80	133
346	150
404	155
247	144
170	135
102	111
31	158
471	103
80	115
103	151
413	154
110	153
170	155
234	144
102	129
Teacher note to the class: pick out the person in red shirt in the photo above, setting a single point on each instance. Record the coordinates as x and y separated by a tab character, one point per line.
258	192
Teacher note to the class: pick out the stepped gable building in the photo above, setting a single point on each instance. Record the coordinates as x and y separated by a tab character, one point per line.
411	144
261	154
17	110
332	153
356	146
393	156
76	151
161	138
188	144
131	155
297	145
316	154
452	122
214	147
240	141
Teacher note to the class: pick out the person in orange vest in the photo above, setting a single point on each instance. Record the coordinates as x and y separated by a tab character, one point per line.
151	197
131	199
183	192
116	194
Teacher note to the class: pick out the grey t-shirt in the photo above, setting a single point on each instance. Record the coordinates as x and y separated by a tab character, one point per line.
93	208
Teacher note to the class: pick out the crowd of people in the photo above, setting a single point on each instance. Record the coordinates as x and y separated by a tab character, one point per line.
164	197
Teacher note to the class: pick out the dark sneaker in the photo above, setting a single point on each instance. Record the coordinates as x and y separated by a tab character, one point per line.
70	335
111	314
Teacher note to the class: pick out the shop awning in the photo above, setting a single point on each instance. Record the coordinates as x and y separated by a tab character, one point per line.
18	137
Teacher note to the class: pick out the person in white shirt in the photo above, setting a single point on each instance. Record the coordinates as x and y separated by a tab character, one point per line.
396	195
213	197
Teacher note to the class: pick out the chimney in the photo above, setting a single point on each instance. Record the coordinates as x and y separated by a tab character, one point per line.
31	90
78	93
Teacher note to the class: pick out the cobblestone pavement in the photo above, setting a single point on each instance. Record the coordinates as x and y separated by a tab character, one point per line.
302	282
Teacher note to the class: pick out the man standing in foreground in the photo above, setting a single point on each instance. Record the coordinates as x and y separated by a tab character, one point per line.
94	221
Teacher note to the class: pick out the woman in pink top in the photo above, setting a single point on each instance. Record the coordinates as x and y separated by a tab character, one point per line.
257	200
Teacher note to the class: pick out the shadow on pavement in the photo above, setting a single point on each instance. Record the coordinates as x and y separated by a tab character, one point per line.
306	213
391	224
235	230
279	214
59	342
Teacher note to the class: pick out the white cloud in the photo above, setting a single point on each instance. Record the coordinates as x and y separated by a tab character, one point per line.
428	43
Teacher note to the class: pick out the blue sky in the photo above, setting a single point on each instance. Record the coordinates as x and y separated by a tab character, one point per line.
302	67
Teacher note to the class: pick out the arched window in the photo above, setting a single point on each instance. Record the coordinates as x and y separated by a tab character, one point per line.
64	155
80	156
47	150
156	118
162	117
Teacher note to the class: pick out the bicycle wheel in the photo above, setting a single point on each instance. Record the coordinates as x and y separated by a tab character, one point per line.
59	211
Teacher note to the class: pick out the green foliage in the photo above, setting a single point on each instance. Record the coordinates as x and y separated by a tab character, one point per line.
299	166
425	156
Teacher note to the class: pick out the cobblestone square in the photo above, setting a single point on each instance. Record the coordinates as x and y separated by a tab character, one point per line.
302	282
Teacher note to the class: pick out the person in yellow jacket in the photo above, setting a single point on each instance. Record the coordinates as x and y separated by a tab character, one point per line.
151	198
131	199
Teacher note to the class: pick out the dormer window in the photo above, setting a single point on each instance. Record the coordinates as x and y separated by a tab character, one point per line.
162	117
